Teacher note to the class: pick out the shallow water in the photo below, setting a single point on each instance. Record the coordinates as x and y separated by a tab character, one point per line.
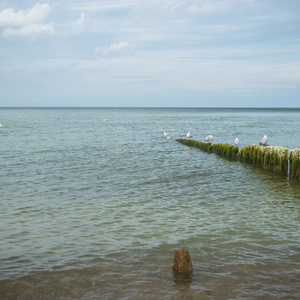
94	203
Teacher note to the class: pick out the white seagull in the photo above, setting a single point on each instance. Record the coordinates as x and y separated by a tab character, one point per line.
2	125
209	138
189	135
236	141
264	141
166	134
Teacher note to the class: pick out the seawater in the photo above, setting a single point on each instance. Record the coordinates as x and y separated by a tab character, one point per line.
94	203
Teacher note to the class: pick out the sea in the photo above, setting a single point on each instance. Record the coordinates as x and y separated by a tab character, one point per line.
94	203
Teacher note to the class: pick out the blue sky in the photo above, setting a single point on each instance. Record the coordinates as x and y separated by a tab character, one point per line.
172	53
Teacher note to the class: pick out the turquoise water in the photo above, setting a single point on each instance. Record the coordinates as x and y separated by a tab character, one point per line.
94	203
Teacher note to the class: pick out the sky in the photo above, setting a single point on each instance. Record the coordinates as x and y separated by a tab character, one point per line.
152	53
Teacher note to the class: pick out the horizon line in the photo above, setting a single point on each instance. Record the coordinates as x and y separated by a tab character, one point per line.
156	107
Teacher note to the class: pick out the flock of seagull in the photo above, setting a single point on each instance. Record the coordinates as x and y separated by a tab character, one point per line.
209	138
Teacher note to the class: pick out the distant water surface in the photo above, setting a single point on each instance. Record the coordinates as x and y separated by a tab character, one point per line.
94	203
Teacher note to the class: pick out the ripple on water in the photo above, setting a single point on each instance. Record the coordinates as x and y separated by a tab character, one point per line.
94	211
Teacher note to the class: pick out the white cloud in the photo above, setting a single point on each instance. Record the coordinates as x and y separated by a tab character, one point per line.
26	22
170	5
9	17
81	19
193	8
103	5
31	31
116	47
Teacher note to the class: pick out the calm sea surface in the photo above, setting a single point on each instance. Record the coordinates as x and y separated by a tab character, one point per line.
94	203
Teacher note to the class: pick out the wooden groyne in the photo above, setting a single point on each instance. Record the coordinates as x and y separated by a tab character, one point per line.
294	159
206	147
224	150
273	158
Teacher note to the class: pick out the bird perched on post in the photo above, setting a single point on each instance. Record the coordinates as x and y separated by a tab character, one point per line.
189	135
264	141
209	138
236	141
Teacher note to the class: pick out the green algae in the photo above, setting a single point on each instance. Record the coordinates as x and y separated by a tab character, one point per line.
267	158
258	156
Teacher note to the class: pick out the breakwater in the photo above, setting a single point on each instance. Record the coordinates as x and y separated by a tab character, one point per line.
273	158
294	159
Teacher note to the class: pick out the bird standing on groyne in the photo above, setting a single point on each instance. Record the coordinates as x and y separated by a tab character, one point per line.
264	141
189	135
236	141
209	138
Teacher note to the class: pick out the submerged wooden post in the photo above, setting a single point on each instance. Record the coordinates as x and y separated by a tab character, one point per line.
234	152
279	160
258	156
182	265
267	158
244	154
262	156
294	158
253	154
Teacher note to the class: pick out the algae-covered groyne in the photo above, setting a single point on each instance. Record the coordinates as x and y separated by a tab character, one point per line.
294	159
273	158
